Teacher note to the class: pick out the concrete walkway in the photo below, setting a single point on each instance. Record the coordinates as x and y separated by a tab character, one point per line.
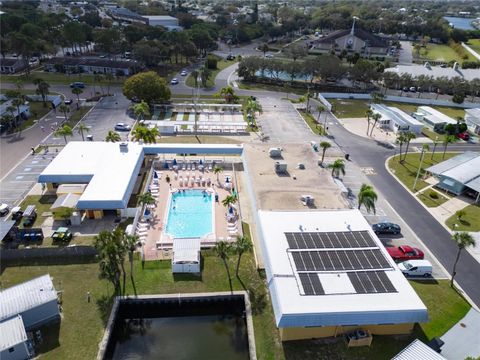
463	339
450	207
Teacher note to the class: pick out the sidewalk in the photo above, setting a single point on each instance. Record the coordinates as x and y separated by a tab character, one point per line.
463	339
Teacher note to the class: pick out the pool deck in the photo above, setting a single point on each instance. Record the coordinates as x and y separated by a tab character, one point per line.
157	243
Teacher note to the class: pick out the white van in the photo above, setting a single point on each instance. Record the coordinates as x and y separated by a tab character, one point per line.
416	268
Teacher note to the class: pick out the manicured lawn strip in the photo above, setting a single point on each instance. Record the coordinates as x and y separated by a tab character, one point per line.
433	135
430	201
83	323
469	222
77	115
452	112
221	64
407	171
37	111
474	44
42	204
185	116
200	139
59	78
312	123
442	53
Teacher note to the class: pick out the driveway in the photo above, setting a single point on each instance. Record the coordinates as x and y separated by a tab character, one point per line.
405	57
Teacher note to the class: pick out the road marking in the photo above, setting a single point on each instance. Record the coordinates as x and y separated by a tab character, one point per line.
19	177
368	170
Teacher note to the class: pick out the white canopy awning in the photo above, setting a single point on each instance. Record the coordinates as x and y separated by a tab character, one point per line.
66	200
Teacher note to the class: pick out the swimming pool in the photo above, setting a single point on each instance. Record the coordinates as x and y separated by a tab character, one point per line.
189	214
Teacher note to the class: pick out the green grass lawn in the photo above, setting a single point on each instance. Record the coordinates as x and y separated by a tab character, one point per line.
407	171
83	323
268	87
78	115
37	111
200	139
432	198
312	123
58	78
474	44
469	222
221	64
42	204
445	53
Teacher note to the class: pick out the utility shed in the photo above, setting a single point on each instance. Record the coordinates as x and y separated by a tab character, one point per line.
14	343
35	300
186	255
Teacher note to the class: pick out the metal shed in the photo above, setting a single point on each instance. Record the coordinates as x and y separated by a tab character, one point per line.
14	343
186	255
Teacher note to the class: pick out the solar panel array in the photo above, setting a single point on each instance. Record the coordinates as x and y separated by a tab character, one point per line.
353	252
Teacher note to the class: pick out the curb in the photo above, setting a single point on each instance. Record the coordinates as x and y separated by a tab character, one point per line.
457	285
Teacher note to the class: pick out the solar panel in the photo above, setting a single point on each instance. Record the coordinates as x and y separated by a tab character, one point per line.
311	284
371	282
334	260
328	240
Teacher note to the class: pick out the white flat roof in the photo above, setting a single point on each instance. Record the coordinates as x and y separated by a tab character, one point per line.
339	305
435	116
13	333
396	115
25	296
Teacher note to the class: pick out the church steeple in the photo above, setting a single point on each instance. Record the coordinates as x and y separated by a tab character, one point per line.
353	25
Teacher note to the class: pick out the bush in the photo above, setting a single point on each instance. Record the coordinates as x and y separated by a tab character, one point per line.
470	65
433	195
211	62
458	98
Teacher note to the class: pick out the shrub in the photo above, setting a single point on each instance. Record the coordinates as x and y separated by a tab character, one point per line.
433	194
211	62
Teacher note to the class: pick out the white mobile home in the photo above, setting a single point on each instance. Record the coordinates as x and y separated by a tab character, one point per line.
14	343
35	300
472	119
433	118
396	120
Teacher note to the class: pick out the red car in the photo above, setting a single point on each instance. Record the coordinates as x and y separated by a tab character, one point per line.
404	252
464	136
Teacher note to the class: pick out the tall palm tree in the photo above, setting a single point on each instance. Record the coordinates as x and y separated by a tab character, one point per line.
338	167
141	110
242	245
368	114
77	91
64	131
320	109
139	133
109	79
367	197
151	136
228	94
64	109
263	48
17	102
42	89
409	136
194	74
108	246
217	170
400	140
447	140
112	136
462	239
375	118
82	128
146	199
229	200
324	145
129	242
222	249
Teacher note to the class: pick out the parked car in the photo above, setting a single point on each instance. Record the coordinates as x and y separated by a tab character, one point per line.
29	216
386	228
184	73
405	89
77	84
122	127
464	136
416	268
413	89
174	81
4	209
269	56
404	253
62	234
230	57
17	213
68	102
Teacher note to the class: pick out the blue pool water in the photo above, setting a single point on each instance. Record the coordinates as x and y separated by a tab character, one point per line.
190	214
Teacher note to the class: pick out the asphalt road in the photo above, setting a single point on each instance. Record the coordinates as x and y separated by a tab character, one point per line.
366	153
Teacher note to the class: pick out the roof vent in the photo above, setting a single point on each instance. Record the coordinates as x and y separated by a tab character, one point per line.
123	146
427	65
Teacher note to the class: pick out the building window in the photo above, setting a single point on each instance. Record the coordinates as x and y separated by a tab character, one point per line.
11	350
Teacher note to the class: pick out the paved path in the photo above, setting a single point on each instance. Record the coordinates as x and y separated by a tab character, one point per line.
405	57
463	340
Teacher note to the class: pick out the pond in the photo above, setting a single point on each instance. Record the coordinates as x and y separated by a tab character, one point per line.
460	23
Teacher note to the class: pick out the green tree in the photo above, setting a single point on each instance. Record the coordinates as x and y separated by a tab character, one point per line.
242	245
109	78
17	102
458	98
217	170
64	109
409	136
375	118
77	91
296	51
146	199
338	167
229	200
82	129
112	136
460	214
108	247
147	86
462	240
367	197
130	243
448	139
64	131
205	74
263	48
228	94
194	74
325	145
368	114
42	89
222	249
141	110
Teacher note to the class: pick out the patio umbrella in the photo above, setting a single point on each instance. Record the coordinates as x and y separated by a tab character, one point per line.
174	161
155	176
201	162
165	164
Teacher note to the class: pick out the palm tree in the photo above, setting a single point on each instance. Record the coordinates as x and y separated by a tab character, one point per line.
409	136
194	74
141	110
447	140
109	78
263	48
146	199
229	200
462	239
205	74
82	128
129	242
65	110
64	131
228	94
338	167
320	109
151	136
400	140
242	245
77	91
222	249
368	114
367	197
42	89
217	170
375	117
112	136
324	145
139	133
17	102
108	246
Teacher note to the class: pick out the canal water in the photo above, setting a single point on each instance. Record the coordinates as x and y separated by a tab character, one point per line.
460	23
